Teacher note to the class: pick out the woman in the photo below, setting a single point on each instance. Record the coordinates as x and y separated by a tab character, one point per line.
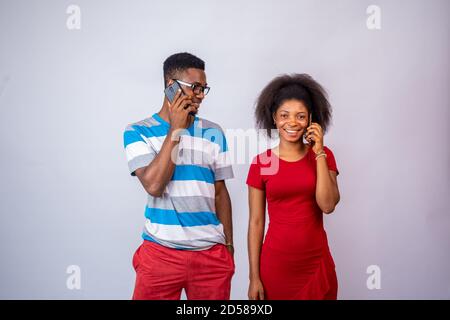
298	181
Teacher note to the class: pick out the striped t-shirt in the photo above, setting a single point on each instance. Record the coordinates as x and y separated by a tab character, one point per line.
184	217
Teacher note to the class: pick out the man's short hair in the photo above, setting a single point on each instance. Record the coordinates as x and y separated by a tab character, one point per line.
179	62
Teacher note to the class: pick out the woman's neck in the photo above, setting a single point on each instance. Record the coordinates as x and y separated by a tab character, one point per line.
291	148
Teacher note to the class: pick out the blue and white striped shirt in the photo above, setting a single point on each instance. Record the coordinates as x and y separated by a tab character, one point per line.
184	217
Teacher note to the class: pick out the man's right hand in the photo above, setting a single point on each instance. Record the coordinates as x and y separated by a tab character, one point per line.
179	117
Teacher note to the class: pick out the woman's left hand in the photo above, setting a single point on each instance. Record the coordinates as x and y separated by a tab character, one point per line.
315	133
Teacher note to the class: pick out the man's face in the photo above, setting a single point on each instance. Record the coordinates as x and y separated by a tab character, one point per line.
193	76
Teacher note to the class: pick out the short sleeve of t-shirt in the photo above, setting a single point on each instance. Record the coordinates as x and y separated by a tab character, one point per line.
254	178
138	152
331	161
222	162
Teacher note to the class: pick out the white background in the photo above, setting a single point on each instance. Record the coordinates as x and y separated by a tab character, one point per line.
67	95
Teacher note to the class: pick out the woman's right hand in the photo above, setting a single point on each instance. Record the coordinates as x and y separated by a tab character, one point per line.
256	290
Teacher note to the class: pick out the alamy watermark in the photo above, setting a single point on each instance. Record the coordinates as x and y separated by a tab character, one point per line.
73	21
374	280
73	281
373	21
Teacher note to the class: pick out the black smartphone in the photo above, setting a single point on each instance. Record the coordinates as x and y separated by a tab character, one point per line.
310	142
171	92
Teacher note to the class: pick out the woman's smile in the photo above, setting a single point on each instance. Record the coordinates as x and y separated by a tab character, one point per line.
292	132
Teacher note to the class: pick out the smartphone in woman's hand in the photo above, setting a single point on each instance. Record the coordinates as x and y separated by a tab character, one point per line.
308	141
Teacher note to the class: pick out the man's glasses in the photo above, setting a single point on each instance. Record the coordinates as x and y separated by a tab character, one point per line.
196	88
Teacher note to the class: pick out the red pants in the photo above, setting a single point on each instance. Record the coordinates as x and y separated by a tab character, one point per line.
161	273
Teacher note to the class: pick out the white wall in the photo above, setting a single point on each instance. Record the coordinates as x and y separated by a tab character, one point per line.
66	96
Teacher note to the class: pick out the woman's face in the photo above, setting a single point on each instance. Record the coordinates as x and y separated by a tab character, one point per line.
291	120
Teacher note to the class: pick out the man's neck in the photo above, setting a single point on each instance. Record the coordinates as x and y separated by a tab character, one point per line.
164	114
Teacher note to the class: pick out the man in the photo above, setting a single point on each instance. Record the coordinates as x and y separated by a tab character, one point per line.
182	161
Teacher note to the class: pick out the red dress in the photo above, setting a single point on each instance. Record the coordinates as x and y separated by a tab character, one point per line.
296	262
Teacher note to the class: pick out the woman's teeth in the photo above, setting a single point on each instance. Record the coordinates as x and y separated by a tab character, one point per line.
292	132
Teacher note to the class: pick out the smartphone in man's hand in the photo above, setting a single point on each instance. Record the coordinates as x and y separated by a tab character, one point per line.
171	92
